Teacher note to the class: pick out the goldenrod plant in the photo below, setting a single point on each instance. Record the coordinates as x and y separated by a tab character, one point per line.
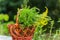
44	18
41	22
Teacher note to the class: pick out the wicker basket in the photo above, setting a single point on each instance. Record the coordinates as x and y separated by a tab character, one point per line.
20	34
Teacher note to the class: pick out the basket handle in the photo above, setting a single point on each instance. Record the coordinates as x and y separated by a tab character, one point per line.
19	10
17	15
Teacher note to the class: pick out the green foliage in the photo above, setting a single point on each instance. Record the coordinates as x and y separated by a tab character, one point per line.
4	28
27	16
24	4
4	17
51	27
59	20
1	17
15	17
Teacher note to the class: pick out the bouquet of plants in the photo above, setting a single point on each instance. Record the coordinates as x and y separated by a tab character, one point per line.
28	24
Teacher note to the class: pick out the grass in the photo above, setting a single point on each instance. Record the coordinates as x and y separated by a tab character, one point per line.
50	36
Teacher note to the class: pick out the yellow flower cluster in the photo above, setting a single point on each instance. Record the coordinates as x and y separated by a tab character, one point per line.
44	14
43	18
43	22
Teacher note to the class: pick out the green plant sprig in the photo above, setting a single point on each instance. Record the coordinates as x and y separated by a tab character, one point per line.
28	16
